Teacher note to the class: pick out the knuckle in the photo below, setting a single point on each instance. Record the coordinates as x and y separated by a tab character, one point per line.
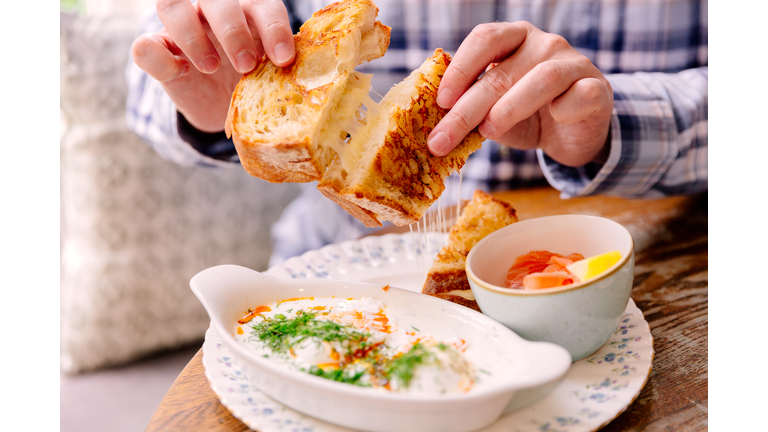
546	74
495	82
231	31
525	25
273	27
462	75
553	43
460	120
485	33
590	93
196	42
585	64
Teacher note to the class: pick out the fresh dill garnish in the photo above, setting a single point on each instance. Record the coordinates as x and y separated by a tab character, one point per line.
340	375
280	334
442	347
484	371
415	328
289	310
403	366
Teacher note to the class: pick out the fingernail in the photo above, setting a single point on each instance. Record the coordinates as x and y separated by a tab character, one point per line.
283	53
487	130
445	98
209	64
245	62
439	143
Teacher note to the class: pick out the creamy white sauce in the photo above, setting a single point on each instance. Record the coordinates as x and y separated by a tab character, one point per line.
398	328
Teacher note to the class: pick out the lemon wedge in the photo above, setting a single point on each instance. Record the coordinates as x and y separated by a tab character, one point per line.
588	268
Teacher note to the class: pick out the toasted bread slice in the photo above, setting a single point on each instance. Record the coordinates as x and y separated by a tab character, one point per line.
277	115
386	171
447	278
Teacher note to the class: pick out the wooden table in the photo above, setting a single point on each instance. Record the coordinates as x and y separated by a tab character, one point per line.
670	287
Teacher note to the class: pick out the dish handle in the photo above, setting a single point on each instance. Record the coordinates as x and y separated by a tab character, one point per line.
551	358
224	289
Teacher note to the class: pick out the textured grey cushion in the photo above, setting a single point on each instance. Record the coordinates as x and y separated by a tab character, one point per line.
136	228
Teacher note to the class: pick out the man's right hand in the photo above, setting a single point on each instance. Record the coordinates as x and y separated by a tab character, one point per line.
205	47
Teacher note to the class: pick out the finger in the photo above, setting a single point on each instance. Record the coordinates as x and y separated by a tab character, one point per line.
183	24
473	106
153	53
585	98
230	28
471	109
541	85
274	29
486	44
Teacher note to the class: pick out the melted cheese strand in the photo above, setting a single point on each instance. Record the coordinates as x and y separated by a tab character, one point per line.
413	240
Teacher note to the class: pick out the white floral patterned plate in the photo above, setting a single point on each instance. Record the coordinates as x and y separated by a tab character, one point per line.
596	390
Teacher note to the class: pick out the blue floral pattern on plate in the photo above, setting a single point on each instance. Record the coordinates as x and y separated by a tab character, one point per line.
595	391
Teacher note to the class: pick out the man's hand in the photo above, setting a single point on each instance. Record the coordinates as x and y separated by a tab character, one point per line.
205	47
537	92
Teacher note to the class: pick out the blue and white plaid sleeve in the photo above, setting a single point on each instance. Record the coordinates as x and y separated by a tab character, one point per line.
151	114
658	139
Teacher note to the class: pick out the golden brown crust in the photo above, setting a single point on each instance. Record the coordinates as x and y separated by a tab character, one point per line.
480	216
443	282
404	179
262	162
276	113
330	187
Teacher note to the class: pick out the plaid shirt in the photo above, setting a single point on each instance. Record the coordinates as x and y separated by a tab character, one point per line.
653	53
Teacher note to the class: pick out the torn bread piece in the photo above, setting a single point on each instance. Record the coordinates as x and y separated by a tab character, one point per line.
277	115
385	170
447	278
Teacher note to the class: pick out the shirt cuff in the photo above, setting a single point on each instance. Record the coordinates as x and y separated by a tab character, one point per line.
214	145
586	179
643	146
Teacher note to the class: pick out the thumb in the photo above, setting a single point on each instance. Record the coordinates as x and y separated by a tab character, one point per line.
153	53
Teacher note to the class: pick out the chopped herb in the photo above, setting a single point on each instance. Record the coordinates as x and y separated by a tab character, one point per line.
403	366
442	347
280	317
415	328
485	371
340	375
280	334
289	310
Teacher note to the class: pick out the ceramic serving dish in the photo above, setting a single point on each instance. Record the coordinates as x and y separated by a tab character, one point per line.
509	364
579	317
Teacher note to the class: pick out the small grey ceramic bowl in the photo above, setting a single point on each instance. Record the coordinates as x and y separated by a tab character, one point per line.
579	317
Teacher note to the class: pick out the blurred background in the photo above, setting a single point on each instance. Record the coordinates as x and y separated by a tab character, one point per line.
134	230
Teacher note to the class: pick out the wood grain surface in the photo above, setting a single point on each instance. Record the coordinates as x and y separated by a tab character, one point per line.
670	287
